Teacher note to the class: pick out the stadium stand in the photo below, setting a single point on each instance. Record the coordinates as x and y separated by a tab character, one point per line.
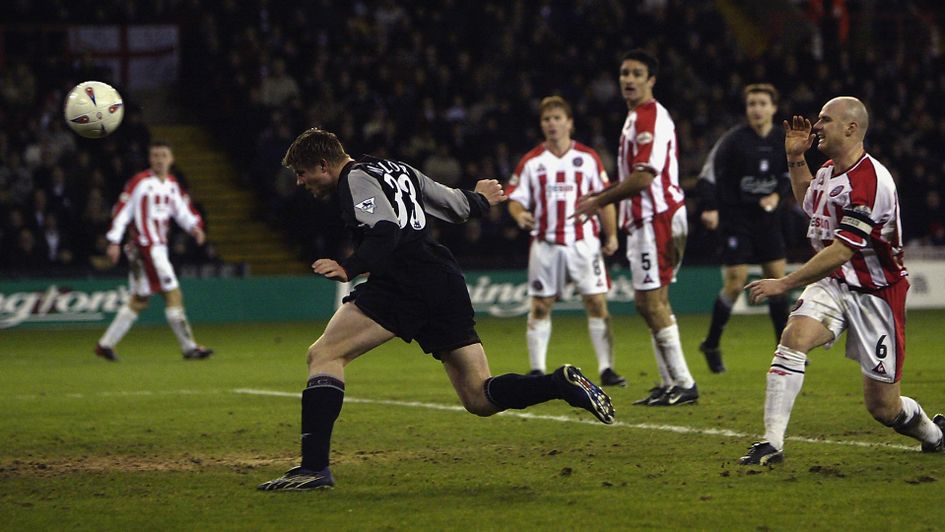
453	87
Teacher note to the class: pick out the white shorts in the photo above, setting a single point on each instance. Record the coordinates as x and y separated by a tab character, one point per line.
551	266
875	323
151	271
655	249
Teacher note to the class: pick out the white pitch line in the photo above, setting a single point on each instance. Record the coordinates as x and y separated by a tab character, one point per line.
565	419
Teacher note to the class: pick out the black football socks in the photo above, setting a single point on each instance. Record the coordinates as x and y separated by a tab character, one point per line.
520	391
721	312
779	312
321	404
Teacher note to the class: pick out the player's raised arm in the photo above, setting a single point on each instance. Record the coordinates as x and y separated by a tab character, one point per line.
456	205
798	138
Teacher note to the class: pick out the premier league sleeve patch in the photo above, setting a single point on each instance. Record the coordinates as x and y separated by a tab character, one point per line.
367	205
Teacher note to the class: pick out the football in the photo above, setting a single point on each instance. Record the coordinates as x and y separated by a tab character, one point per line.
93	109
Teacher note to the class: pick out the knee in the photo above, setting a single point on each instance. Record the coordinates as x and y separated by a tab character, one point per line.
799	338
479	408
318	354
138	304
541	309
596	307
650	308
475	402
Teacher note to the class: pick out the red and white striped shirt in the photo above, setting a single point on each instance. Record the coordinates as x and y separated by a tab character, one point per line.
861	208
151	202
550	186
648	141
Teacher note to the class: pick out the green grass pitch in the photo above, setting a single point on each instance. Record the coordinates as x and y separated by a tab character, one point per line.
157	443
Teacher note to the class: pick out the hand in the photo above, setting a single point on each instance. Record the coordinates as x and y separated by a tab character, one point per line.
586	207
492	190
113	252
710	219
797	136
525	221
763	289
330	269
610	245
770	202
198	235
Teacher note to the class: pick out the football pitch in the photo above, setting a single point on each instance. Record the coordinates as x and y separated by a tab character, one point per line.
154	442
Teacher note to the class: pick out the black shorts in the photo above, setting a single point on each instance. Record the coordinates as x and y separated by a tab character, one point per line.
752	242
433	307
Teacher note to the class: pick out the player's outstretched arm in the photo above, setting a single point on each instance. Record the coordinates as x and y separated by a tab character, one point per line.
819	266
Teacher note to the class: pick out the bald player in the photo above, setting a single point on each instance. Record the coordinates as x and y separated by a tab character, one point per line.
856	282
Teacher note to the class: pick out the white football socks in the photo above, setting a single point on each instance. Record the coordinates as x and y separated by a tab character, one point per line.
120	326
666	380
181	327
785	378
668	348
603	342
538	335
922	428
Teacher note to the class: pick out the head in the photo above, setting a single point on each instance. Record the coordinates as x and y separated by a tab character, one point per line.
638	71
315	157
761	102
160	157
557	122
841	125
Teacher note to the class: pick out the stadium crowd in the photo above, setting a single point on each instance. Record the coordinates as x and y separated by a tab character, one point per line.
453	87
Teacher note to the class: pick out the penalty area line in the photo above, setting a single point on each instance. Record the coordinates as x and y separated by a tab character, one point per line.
679	429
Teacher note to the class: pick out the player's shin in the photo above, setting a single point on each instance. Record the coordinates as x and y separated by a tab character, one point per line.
538	335
779	311
120	326
913	421
321	403
785	379
519	391
666	380
721	312
602	340
177	319
670	349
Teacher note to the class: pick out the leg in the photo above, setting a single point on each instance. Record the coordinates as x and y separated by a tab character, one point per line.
349	334
656	310
598	328
125	318
468	370
903	414
177	319
538	333
733	280
785	379
778	307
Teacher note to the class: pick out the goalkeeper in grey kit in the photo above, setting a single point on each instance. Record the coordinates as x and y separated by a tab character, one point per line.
416	291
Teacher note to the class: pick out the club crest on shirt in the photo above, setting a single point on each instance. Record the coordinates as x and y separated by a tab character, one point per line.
367	205
644	137
578	161
836	191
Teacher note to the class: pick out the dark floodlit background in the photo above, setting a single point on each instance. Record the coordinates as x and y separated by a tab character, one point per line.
451	87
